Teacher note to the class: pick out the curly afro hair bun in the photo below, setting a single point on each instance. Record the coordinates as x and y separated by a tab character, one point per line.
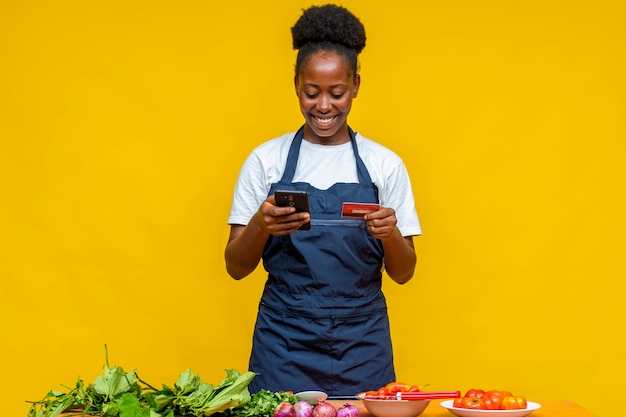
329	23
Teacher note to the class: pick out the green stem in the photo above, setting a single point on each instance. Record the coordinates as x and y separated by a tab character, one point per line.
144	382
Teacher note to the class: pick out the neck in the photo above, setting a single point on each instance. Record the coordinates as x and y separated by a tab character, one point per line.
340	137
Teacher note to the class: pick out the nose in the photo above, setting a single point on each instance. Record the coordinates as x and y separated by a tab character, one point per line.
324	103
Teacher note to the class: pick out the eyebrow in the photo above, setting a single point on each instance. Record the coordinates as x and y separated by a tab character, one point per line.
332	86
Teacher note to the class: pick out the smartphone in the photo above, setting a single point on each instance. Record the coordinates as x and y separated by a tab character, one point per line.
297	199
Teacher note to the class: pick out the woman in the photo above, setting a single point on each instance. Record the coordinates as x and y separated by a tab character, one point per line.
322	320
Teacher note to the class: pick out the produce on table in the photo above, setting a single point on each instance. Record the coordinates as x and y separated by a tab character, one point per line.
321	409
347	410
324	409
120	393
303	408
191	396
479	399
390	390
513	402
263	404
285	409
117	393
492	400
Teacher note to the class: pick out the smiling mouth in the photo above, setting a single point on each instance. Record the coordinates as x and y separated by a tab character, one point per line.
324	120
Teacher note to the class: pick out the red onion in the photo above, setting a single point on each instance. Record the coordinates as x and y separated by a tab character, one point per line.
303	408
285	409
324	409
348	410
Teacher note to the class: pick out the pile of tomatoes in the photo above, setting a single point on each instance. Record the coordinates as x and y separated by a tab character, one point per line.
479	399
389	391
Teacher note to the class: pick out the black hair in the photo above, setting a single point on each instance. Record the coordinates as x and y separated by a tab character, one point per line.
328	28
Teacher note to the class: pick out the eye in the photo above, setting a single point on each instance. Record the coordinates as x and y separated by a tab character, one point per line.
336	96
310	95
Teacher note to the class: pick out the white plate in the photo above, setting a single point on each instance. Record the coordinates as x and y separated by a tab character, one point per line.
311	396
468	412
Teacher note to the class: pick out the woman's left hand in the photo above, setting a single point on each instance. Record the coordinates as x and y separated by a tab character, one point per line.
400	256
382	223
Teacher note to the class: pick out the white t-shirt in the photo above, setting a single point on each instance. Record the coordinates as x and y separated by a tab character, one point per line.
322	166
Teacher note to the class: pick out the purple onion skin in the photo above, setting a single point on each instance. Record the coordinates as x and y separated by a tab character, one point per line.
348	410
324	409
303	409
285	409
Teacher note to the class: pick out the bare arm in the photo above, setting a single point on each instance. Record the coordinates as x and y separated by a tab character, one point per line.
245	243
400	258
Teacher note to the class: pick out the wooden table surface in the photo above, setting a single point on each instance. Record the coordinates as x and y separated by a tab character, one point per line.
549	408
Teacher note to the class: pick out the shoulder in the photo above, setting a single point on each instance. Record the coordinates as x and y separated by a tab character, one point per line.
386	168
279	144
262	167
390	175
268	158
375	154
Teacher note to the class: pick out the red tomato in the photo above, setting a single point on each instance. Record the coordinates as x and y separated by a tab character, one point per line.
402	387
458	402
382	392
478	393
390	390
390	386
513	402
474	403
395	387
493	398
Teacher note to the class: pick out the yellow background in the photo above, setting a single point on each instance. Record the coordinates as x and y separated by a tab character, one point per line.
123	126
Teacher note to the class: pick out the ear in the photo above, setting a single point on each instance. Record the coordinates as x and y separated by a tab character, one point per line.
296	84
357	84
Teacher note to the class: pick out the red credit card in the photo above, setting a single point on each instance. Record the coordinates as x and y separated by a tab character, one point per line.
358	209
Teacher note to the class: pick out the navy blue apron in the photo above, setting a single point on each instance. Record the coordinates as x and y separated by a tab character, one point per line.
322	322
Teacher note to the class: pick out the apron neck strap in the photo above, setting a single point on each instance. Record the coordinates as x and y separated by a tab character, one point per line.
294	152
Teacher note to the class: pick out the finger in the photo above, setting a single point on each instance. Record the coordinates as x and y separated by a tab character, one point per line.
285	228
269	209
381	223
382	213
286	223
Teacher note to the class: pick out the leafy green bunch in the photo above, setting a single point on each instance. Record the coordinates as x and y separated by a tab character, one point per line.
107	396
191	396
262	404
117	393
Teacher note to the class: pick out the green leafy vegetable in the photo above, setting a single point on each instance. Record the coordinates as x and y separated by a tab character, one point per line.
263	404
114	382
191	396
117	393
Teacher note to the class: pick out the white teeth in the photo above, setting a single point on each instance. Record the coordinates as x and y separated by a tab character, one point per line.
324	121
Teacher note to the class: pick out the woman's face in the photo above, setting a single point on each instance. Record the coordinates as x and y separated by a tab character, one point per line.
326	87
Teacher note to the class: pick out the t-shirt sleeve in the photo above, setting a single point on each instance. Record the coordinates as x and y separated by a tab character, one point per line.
250	191
398	194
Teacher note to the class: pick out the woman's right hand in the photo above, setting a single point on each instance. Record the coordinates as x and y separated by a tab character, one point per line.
245	243
279	221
